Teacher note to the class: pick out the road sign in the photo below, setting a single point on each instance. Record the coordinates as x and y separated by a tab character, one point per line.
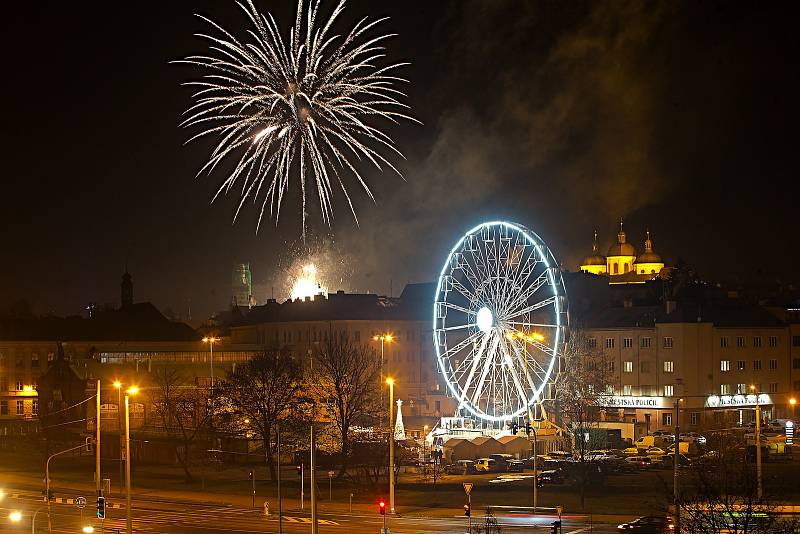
468	487
331	473
80	502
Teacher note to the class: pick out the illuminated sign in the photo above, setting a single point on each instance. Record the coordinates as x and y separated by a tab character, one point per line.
734	401
790	432
627	401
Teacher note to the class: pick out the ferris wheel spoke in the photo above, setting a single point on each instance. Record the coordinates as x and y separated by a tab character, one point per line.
524	296
487	365
458	286
460	345
524	324
454	307
523	396
533	307
476	360
460	327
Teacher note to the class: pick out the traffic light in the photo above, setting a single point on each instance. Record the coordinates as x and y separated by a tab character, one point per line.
555	527
299	469
101	508
467	510
382	507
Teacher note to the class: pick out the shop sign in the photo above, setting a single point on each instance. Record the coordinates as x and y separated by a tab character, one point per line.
628	401
735	401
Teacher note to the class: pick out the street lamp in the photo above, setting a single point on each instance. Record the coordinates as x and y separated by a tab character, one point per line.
88	529
383	338
525	339
211	340
792	402
133	390
758	444
118	386
390	381
15	516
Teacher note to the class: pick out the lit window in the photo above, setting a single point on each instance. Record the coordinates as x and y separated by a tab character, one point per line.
35	407
668	390
20	407
669	366
628	367
773	364
724	389
694	417
724	365
668	342
666	418
20	385
627	390
741	389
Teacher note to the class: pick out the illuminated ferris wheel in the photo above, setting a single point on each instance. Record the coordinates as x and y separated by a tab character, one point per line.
499	320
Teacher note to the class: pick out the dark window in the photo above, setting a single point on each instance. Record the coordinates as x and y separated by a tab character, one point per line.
3	407
796	363
34	360
796	341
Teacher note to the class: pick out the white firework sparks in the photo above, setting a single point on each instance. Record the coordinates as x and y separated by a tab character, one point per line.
299	108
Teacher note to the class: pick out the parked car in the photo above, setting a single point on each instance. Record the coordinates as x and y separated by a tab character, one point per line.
630	451
501	461
560	455
515	466
485	465
666	460
656	451
461	467
662	433
693	436
649	524
643	462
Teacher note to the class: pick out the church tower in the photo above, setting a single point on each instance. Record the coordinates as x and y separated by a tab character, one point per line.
649	262
594	263
126	289
621	255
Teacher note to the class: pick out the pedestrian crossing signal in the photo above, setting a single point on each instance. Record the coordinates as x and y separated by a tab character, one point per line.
101	508
467	510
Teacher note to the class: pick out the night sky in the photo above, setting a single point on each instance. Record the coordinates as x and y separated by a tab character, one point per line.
563	116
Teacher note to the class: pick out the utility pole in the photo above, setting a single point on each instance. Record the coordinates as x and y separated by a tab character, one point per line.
758	448
280	498
128	522
314	526
97	441
391	444
675	461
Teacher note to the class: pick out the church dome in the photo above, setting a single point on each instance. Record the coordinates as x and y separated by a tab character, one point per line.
649	256
594	258
621	247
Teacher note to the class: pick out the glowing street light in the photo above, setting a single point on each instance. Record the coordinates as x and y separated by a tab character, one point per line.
15	516
88	529
118	386
211	340
390	381
133	390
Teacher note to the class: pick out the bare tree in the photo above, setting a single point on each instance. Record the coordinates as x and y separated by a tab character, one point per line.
345	380
586	377
262	391
720	495
182	415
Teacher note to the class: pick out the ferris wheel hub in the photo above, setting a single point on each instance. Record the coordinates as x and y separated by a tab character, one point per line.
484	319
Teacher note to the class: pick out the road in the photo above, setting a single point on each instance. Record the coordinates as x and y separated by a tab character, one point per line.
172	518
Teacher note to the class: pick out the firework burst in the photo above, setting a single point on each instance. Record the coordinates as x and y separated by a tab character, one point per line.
300	109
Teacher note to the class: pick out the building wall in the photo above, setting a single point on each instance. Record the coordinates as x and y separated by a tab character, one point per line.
409	358
685	360
623	264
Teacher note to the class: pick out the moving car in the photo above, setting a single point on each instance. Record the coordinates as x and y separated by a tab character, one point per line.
649	524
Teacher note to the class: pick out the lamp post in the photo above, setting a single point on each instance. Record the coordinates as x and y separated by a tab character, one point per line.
118	386
131	391
529	427
383	338
390	381
792	402
675	461
211	340
760	489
